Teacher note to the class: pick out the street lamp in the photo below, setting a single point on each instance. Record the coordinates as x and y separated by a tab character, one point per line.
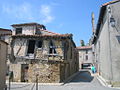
112	22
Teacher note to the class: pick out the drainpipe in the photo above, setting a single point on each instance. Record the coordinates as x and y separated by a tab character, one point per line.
109	15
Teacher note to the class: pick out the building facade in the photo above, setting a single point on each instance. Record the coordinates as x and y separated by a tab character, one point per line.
3	57
39	53
5	34
107	42
85	56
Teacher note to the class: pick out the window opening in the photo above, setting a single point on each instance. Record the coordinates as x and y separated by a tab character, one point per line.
52	48
18	30
40	44
31	46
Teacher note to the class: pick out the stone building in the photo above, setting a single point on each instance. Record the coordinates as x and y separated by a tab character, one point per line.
5	34
107	42
37	52
3	57
85	56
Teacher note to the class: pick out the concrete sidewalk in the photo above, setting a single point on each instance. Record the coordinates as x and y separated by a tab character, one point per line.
104	82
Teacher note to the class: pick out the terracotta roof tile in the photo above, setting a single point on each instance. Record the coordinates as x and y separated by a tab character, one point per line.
43	36
50	32
2	29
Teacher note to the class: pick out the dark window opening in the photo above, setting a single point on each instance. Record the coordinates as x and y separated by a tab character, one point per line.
52	48
65	49
40	44
24	72
86	51
71	53
31	46
86	57
118	38
18	30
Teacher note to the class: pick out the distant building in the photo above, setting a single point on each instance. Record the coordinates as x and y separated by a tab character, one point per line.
5	34
85	56
107	42
36	51
3	57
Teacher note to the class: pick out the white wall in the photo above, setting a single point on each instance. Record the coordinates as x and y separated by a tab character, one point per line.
27	30
82	56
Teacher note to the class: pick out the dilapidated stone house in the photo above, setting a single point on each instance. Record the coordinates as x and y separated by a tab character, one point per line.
36	51
107	42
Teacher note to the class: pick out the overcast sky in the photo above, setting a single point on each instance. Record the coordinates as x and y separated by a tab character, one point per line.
60	16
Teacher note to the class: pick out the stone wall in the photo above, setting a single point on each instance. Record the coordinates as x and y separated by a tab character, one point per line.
47	73
16	69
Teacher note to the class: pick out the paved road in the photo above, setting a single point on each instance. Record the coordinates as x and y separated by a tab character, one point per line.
83	81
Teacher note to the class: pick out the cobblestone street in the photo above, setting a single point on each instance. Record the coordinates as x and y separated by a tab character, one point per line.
83	81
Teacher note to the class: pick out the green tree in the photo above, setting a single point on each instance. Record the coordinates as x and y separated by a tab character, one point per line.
82	43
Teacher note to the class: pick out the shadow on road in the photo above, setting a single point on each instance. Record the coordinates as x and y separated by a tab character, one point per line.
83	76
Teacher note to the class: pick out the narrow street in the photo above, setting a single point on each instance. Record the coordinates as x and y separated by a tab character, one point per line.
83	81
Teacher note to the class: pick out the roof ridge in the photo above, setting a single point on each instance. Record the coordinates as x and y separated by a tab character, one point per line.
43	35
4	42
50	32
28	23
111	2
5	29
4	34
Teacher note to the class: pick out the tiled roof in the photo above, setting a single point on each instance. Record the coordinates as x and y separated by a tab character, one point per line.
33	23
3	42
2	29
111	2
44	36
4	32
84	47
50	32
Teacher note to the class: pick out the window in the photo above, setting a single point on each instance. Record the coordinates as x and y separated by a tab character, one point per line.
52	48
65	49
71	53
118	38
31	46
18	30
86	57
86	51
40	44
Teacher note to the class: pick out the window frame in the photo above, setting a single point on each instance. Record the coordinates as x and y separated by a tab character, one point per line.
18	30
